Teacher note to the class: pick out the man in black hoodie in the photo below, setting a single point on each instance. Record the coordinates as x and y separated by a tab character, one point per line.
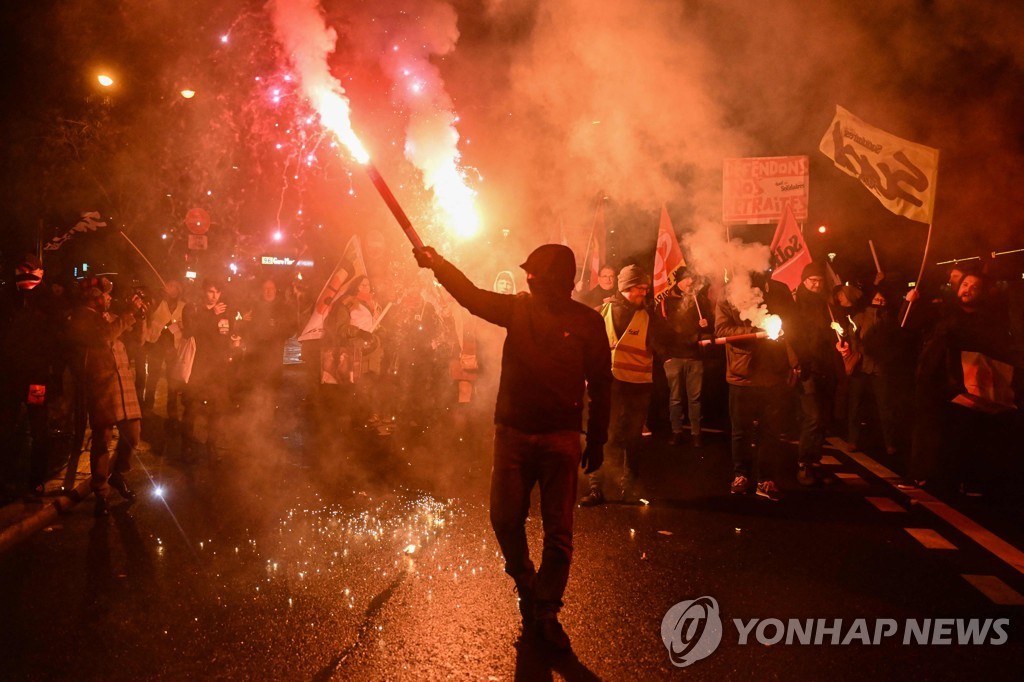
554	348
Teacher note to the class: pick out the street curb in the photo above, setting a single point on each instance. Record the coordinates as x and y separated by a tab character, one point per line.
14	534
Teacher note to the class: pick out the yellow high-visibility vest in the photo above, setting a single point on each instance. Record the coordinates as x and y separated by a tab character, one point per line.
632	361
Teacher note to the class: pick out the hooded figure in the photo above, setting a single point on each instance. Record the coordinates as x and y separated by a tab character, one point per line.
555	351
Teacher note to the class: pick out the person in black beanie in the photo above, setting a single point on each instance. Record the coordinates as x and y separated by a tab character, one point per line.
819	364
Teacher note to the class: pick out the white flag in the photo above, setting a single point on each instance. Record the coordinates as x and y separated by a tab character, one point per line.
901	174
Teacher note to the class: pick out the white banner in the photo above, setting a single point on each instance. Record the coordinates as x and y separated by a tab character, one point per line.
901	174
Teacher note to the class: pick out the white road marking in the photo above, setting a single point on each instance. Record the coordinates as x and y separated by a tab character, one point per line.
931	539
885	504
996	590
986	538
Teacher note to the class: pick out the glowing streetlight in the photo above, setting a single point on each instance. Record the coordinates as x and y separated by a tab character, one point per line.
188	94
105	80
822	229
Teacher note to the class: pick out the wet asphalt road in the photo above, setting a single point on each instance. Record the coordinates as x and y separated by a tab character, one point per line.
371	557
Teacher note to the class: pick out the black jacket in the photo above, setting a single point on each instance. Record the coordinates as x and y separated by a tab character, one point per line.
554	348
683	324
29	341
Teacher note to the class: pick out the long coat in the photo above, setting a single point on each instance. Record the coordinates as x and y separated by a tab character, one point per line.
108	379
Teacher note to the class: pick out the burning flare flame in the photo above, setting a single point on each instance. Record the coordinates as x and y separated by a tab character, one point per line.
301	28
308	41
334	114
773	326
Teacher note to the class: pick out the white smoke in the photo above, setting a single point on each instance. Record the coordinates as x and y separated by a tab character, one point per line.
714	257
432	139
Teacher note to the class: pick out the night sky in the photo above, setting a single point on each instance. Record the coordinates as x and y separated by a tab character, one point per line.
558	102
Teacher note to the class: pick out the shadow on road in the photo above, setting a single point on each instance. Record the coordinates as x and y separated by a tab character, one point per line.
534	662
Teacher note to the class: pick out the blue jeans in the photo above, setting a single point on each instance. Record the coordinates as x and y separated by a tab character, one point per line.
522	461
817	397
685	373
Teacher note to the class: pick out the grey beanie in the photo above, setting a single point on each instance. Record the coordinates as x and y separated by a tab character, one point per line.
631	276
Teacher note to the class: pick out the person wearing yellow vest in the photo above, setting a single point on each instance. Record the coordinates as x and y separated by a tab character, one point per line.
632	332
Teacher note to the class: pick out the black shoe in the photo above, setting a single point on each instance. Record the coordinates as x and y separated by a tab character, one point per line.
550	633
121	486
676	438
102	508
592	499
696	442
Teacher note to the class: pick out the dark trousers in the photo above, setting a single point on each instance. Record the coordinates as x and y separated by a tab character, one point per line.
761	404
212	399
817	396
14	413
522	461
160	359
629	406
865	388
953	444
100	462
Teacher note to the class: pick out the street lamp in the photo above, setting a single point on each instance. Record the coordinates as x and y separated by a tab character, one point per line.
188	94
105	80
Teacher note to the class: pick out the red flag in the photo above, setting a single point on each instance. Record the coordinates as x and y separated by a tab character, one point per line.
668	257
789	252
594	257
832	276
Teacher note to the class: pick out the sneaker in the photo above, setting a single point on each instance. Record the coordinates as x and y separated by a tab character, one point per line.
592	499
676	438
740	485
769	490
806	475
646	433
696	441
551	634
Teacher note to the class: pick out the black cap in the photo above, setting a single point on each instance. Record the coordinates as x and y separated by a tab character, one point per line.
553	263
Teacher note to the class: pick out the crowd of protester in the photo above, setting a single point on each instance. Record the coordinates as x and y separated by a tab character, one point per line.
934	384
82	364
930	382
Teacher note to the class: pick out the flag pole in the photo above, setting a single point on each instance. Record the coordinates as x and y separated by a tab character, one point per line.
920	274
162	282
874	255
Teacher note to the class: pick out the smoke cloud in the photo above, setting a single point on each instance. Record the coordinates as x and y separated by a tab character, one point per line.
714	257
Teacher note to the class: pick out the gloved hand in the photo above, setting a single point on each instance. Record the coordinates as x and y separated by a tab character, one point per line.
426	257
593	457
